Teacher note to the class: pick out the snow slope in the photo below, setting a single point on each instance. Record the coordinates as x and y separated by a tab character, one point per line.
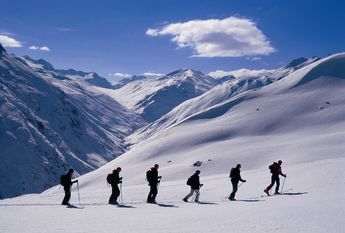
238	82
314	205
49	124
298	119
154	97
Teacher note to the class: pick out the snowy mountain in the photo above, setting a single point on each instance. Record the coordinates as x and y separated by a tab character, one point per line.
49	124
154	97
43	67
125	81
233	84
297	119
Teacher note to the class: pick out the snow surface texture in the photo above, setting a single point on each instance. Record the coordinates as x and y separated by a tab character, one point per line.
154	97
49	123
298	119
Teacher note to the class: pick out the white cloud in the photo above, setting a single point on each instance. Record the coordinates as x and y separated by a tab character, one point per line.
7	41
152	32
120	75
43	48
34	47
229	37
152	74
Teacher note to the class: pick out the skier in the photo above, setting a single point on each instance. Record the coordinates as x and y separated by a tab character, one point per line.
153	179
114	181
276	170
194	183
66	182
235	175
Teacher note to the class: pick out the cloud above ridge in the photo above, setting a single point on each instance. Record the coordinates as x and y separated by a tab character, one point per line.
229	37
8	41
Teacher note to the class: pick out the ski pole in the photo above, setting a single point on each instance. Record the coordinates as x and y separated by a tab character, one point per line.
283	185
121	192
78	192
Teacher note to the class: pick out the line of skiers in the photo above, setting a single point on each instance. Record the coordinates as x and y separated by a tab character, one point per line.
154	179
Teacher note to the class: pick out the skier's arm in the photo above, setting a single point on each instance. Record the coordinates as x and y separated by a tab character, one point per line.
280	173
242	180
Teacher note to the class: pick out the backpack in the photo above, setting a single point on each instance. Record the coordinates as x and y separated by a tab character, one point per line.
110	178
232	173
189	181
63	180
273	167
149	175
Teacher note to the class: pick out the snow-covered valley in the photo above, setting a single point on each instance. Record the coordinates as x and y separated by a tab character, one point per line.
297	118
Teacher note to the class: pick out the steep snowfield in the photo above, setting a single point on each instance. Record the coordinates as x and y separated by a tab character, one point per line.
154	97
48	124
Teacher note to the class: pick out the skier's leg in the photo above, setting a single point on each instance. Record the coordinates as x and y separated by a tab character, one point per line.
149	197
197	195
189	195
112	196
154	192
234	189
272	183
116	193
278	184
67	195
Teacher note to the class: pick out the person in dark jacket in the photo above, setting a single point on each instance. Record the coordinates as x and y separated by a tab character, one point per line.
276	170
67	185
235	175
115	180
194	183
153	179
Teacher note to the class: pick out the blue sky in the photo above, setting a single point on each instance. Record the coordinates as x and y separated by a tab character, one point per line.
136	37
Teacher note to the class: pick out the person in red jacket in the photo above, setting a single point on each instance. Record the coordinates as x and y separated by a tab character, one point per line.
276	170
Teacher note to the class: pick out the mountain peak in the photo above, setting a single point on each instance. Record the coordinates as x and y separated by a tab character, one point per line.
42	64
185	72
2	50
296	62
